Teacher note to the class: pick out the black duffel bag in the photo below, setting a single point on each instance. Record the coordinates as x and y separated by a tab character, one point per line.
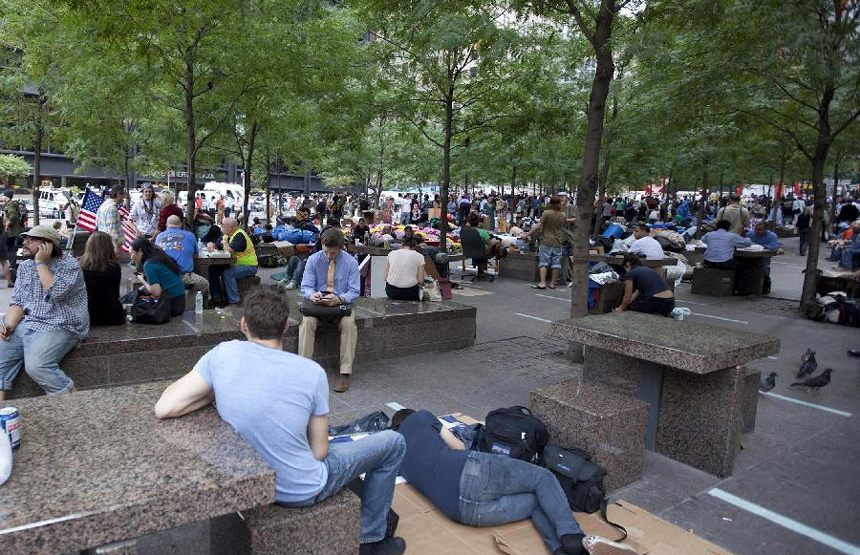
147	309
514	432
580	478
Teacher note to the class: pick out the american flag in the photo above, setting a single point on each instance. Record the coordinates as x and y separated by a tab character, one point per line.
88	216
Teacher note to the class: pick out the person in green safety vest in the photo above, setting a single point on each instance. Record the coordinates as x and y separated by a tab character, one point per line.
241	249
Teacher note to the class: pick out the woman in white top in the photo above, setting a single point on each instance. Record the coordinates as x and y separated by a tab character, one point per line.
404	272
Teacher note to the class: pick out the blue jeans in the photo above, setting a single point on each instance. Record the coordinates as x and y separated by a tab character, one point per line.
495	490
40	353
229	277
296	269
378	457
549	257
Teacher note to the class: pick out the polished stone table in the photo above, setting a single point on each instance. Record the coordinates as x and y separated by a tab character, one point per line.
692	376
97	467
520	265
756	265
618	260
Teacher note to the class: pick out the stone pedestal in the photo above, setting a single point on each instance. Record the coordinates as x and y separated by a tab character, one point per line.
749	399
610	298
520	265
604	422
327	528
713	282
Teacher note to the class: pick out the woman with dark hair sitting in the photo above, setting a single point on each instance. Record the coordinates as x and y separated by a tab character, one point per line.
161	275
102	276
485	489
404	271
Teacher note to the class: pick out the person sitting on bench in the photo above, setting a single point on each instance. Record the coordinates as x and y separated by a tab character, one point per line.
720	253
645	290
280	407
485	489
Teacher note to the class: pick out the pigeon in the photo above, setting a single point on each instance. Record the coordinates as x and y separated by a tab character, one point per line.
768	383
816	382
806	355
808	366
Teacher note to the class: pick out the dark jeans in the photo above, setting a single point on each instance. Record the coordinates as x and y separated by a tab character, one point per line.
804	240
740	273
296	269
495	489
177	305
654	305
403	293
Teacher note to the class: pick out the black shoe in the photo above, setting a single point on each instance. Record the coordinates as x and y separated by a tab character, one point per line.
854	352
571	544
388	546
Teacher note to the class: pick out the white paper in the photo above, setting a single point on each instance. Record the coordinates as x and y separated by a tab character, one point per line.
5	456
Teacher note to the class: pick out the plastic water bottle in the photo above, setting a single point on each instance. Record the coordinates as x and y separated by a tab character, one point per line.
198	303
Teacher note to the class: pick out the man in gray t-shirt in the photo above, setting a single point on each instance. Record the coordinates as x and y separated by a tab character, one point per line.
279	404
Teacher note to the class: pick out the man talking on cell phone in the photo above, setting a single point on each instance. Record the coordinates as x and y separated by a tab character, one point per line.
48	315
331	278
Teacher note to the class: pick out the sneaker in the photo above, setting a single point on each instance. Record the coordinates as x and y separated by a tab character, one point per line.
290	286
388	546
595	545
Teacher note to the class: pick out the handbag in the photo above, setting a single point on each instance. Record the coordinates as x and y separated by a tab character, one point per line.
146	309
325	312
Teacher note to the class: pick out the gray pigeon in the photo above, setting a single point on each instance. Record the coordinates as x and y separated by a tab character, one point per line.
768	383
805	355
816	382
808	366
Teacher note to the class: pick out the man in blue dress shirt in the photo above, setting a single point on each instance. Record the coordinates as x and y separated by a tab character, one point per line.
331	278
721	253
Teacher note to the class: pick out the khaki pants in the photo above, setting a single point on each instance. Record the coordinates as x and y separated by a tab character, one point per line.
197	283
348	336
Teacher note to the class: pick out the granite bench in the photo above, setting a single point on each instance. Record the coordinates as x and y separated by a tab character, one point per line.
327	528
135	353
701	397
520	265
713	282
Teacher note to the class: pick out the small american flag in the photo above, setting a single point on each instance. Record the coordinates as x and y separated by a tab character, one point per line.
89	210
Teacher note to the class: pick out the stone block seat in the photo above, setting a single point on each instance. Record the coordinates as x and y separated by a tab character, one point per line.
692	376
713	282
607	424
118	355
327	528
520	265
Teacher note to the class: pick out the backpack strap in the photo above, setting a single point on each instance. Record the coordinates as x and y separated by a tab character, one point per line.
604	504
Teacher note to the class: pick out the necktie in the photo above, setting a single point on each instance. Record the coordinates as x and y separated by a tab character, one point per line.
330	277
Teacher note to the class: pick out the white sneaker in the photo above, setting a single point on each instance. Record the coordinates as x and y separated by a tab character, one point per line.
595	545
290	286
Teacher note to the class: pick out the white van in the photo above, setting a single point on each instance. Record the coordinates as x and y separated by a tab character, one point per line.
52	203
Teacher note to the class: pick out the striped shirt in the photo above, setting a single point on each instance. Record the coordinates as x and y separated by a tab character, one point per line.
61	306
108	220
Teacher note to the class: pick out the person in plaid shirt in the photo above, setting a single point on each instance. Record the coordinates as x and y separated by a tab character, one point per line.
48	315
108	220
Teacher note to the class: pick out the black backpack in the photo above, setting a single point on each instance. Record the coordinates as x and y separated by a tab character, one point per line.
580	478
514	432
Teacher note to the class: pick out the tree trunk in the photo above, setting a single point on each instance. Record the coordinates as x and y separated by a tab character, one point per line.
37	168
701	215
268	187
514	200
836	159
591	158
446	161
248	165
191	141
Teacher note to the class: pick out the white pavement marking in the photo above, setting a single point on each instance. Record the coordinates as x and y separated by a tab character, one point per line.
395	406
719	318
533	317
808	404
773	358
677	300
784	521
552	297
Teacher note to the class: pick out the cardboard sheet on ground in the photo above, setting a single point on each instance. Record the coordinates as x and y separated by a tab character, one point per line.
428	532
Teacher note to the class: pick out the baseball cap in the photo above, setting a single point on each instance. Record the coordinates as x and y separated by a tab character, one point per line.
43	232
